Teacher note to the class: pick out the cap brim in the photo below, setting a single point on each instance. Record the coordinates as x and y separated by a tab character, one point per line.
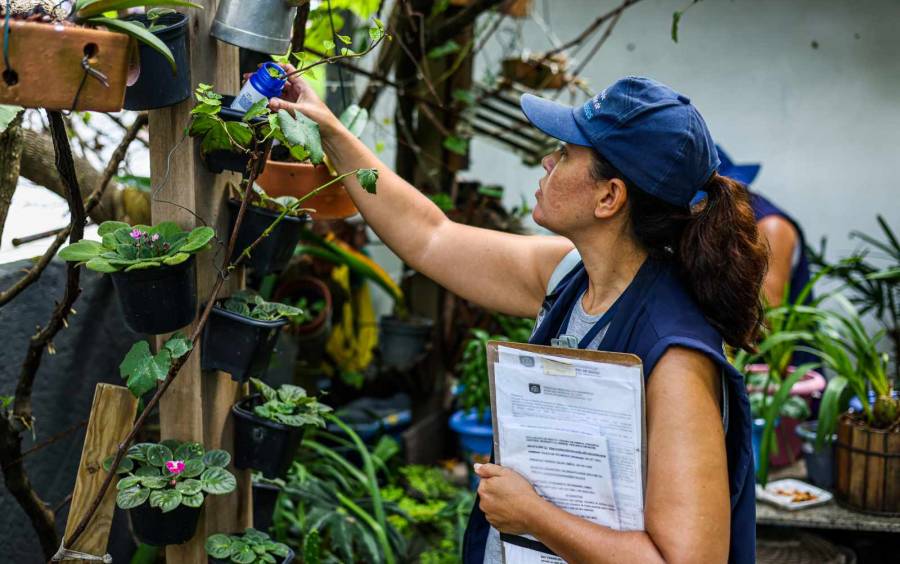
745	174
554	119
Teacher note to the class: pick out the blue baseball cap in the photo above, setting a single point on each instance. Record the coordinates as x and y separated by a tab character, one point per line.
745	173
650	133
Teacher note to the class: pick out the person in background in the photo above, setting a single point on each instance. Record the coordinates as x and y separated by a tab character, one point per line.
788	263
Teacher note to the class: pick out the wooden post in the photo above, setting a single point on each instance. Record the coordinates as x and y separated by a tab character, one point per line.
197	406
112	414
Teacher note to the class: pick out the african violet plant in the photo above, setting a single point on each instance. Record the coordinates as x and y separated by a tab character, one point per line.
289	405
128	248
252	305
252	547
170	474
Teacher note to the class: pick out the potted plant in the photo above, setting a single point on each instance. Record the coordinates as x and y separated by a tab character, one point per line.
868	442
251	547
275	250
45	57
403	338
161	84
269	425
163	486
153	270
818	459
241	333
312	329
297	172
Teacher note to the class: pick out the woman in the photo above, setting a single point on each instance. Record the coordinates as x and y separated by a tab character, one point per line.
656	255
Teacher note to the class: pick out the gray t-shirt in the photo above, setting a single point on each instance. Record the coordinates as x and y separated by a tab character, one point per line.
580	322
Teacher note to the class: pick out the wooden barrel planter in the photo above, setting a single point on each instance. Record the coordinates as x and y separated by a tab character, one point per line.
867	467
45	67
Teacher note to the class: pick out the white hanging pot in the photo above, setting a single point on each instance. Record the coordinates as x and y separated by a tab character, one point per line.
264	26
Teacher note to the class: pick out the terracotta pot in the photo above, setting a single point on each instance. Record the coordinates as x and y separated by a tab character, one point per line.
312	289
46	71
867	467
298	180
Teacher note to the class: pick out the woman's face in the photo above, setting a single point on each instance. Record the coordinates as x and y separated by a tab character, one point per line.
567	194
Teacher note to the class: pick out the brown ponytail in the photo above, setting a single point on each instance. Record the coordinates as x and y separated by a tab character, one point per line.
717	250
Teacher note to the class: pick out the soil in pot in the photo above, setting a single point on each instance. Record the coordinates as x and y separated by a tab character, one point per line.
265	496
221	161
239	345
275	251
158	300
312	336
152	526
157	85
261	444
403	341
284	178
45	67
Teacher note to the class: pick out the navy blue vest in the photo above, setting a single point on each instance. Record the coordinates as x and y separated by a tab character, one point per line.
654	313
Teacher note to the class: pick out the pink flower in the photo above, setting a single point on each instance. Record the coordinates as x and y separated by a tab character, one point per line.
136	234
175	466
155	237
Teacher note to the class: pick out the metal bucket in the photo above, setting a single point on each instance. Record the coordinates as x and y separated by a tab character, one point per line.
262	25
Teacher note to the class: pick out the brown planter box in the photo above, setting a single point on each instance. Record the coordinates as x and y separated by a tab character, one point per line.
46	60
298	180
868	467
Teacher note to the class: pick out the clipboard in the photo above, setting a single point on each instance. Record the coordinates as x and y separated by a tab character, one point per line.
601	357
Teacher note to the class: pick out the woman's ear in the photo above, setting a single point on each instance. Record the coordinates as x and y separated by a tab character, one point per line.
612	195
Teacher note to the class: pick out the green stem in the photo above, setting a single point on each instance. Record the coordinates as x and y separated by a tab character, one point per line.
379	530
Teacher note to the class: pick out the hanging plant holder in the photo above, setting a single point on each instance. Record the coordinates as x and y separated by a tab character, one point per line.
158	86
158	300
239	345
262	444
275	251
152	526
299	179
65	67
264	26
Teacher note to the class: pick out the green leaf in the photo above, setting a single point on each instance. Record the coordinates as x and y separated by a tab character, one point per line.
198	238
189	450
193	467
267	391
240	133
455	144
140	370
139	451
376	33
301	131
125	465
676	18
447	48
177	258
189	486
178	345
110	227
97	7
218	546
216	458
132	497
195	500
166	500
257	109
155	482
144	265
464	96
355	119
82	251
128	482
101	265
158	455
280	549
345	39
291	394
367	178
7	115
138	32
147	471
328	45
218	481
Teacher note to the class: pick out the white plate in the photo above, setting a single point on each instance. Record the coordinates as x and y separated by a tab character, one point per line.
770	494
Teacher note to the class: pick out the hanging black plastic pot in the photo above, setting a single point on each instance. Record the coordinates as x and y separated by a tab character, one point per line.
152	526
262	444
158	300
265	496
239	345
234	161
157	86
275	251
403	341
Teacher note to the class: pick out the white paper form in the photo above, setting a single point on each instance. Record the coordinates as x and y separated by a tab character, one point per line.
574	428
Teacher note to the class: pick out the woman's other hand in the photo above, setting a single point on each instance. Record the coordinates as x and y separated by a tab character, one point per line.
507	499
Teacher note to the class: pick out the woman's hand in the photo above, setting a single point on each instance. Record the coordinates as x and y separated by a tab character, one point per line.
299	96
507	499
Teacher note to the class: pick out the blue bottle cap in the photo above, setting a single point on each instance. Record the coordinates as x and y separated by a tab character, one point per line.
266	84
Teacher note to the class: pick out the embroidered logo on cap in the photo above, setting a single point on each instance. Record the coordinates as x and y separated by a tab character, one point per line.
592	107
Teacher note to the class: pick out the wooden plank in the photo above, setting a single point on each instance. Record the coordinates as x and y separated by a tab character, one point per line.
112	414
892	488
859	439
195	408
875	469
